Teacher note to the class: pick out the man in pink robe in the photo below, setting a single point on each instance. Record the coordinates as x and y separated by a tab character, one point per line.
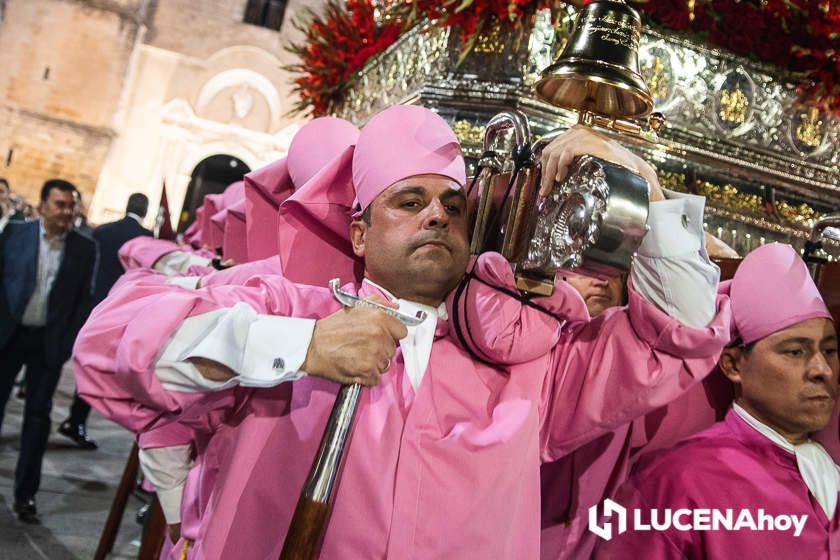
761	457
445	454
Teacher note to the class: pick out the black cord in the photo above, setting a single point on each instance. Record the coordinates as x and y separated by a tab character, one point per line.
522	156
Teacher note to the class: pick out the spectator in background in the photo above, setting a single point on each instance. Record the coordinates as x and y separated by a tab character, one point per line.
599	293
45	285
28	211
5	203
109	238
80	216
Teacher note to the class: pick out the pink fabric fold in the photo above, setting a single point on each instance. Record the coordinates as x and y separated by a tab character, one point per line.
234	240
312	148
265	189
314	225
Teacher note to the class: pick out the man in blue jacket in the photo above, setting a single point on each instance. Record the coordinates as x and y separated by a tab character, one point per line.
109	238
46	270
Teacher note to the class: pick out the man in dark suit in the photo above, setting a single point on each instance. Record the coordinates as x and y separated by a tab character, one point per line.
46	270
109	238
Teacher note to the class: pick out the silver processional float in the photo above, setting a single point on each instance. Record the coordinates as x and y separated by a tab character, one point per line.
594	219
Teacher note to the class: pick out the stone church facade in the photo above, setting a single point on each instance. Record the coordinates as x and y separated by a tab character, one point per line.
123	96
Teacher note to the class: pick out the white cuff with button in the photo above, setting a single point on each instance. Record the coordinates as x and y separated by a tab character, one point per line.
672	268
263	350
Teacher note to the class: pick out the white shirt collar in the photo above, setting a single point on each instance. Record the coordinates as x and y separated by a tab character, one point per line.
763	428
816	467
137	218
416	347
437	312
43	234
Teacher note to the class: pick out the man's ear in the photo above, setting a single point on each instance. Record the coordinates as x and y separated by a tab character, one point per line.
730	363
358	233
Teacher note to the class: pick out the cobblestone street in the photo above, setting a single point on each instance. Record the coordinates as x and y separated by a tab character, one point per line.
76	489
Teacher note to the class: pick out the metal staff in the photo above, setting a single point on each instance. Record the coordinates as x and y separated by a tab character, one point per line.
309	522
824	227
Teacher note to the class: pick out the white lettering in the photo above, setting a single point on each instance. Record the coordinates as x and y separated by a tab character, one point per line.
702	519
722	519
745	521
660	524
765	521
798	524
685	519
679	524
638	525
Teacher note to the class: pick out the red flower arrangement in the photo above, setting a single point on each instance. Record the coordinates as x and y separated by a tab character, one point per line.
802	36
337	44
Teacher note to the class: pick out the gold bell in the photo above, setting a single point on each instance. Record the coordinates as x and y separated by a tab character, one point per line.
598	71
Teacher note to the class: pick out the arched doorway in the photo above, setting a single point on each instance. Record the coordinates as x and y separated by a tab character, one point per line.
210	176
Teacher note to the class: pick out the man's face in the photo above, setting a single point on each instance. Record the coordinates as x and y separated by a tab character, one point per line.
57	211
416	244
599	294
789	379
4	193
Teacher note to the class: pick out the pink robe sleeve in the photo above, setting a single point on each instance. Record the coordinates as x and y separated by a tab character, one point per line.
622	365
117	349
144	252
602	373
241	273
501	329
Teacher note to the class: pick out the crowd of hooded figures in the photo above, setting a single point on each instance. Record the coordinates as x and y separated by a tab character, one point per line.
498	427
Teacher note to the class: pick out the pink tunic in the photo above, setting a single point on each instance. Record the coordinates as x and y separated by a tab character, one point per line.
469	443
144	252
729	465
594	472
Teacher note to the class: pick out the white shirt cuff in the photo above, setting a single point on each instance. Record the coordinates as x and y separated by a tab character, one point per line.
672	268
179	261
263	350
676	226
167	468
189	282
170	503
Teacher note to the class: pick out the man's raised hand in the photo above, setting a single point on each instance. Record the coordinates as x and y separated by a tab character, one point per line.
579	140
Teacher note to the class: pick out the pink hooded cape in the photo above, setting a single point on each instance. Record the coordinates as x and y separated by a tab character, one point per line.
264	189
193	233
211	204
313	147
234	193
